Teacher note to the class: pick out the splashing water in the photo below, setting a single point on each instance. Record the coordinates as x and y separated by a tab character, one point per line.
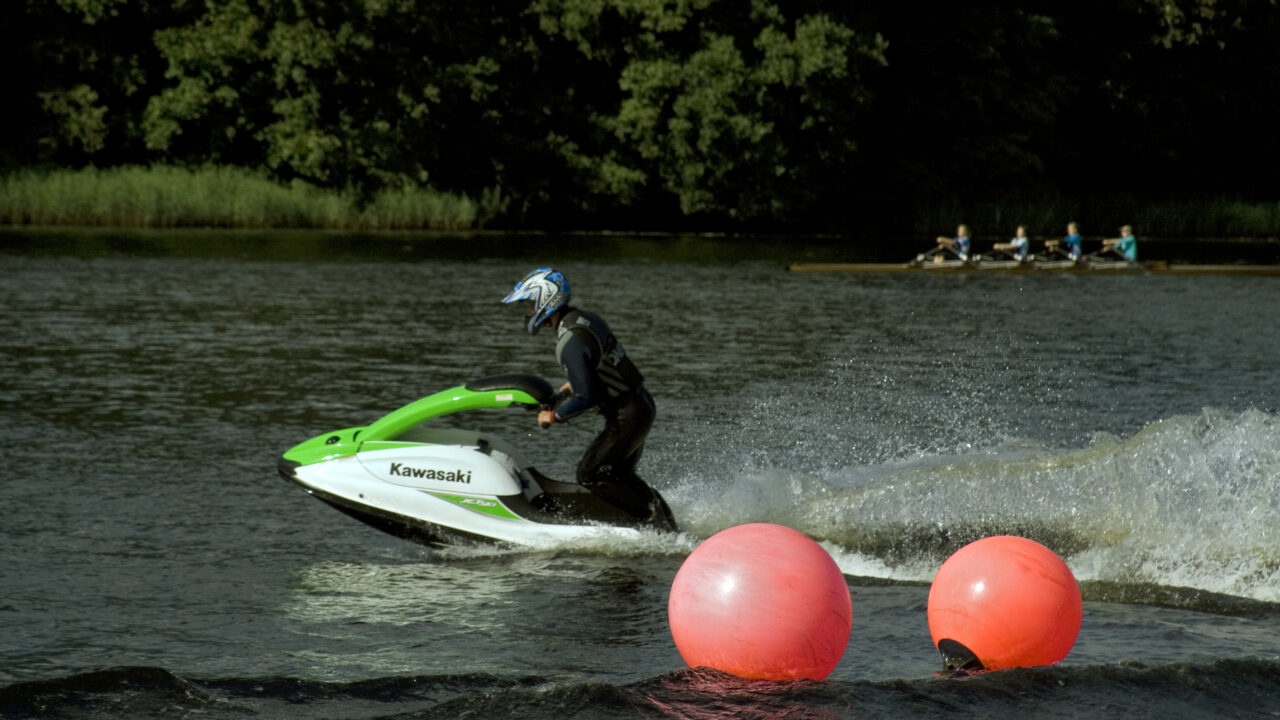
1188	501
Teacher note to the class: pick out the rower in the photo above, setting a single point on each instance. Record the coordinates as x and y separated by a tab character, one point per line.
1126	245
959	245
1072	240
1017	247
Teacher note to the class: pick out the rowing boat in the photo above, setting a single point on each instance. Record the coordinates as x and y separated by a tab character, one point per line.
1107	267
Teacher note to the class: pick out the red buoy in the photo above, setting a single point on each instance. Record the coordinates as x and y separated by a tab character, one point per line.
1004	602
761	601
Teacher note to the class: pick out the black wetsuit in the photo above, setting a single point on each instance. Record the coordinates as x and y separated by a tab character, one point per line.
603	377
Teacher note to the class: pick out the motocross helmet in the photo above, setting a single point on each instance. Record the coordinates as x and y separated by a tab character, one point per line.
546	291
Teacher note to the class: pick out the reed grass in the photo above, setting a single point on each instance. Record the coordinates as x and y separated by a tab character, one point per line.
1218	218
219	196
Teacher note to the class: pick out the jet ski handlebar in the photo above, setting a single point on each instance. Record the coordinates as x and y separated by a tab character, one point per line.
537	388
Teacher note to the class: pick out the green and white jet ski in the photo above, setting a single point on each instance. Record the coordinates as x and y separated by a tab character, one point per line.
442	486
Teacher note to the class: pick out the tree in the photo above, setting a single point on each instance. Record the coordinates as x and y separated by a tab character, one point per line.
364	93
675	113
77	77
730	108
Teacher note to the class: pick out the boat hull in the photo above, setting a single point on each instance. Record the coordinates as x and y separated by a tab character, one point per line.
1037	267
444	494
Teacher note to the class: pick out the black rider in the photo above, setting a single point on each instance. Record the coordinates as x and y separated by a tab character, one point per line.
601	376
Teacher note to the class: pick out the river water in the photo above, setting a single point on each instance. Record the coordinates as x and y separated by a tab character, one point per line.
156	566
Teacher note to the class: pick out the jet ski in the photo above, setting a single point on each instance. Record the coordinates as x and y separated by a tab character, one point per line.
443	486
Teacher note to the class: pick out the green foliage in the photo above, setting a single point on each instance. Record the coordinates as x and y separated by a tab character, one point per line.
79	118
732	110
79	74
661	113
351	92
92	11
1187	22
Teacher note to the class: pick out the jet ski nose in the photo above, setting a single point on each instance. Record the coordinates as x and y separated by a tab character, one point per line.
287	469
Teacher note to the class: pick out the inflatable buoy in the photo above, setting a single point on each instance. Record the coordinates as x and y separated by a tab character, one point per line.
761	601
1004	602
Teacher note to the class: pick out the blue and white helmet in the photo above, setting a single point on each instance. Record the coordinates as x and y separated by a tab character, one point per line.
546	290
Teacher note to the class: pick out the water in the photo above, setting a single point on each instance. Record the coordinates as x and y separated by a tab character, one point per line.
155	566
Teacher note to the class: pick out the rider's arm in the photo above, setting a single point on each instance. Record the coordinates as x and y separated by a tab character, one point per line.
575	358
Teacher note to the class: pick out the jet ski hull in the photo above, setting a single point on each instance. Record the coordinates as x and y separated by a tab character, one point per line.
444	486
437	518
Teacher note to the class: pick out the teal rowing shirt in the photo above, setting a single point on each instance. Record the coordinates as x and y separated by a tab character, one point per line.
1128	247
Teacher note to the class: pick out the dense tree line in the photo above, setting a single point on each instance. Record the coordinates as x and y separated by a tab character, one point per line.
812	114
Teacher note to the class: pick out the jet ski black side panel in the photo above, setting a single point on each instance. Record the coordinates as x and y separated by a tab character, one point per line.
570	503
401	526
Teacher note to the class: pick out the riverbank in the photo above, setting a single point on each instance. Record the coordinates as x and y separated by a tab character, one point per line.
160	196
538	247
223	197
